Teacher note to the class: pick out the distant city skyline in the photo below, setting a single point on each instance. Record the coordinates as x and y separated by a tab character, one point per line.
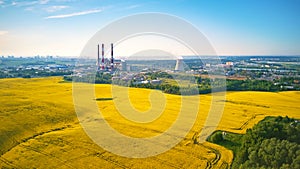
234	27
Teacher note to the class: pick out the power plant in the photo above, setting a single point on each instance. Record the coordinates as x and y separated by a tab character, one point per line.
105	64
111	65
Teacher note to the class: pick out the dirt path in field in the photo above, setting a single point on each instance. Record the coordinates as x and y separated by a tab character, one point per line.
60	162
211	163
103	155
247	122
215	160
9	163
19	143
32	137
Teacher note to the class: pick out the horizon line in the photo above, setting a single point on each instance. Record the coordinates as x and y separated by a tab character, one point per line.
64	56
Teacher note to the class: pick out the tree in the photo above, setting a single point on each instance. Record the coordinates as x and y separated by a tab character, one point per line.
217	137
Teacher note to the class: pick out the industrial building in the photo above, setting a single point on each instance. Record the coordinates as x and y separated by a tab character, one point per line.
105	64
179	67
109	64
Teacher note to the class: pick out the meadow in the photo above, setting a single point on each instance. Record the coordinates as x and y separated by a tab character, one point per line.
39	127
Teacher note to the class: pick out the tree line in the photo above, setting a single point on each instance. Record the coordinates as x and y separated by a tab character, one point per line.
198	85
272	143
30	73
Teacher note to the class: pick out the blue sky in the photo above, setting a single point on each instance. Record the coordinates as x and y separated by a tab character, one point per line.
234	27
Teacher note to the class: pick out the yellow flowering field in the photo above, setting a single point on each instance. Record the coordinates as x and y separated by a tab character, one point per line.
39	127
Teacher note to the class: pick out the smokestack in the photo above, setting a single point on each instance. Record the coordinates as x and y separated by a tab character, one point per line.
98	59
112	56
102	61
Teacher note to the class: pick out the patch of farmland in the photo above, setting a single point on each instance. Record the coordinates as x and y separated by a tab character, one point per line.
39	127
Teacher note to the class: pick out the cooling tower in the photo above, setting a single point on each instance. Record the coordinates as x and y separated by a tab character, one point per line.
179	65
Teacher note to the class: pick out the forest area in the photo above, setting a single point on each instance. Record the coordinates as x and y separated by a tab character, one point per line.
272	143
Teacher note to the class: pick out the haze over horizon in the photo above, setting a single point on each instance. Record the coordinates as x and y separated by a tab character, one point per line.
233	27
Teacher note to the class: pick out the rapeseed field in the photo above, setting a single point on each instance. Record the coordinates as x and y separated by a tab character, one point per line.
39	127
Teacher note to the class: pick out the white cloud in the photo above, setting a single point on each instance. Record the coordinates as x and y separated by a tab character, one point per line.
133	6
23	3
56	8
43	2
14	3
1	2
74	14
3	32
28	3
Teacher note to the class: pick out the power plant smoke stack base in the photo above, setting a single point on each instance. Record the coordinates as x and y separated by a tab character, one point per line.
112	56
98	59
106	64
102	61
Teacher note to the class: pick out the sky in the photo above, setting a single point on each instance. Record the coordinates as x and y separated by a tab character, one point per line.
233	27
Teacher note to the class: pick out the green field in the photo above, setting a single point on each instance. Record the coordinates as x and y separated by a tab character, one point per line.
39	127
